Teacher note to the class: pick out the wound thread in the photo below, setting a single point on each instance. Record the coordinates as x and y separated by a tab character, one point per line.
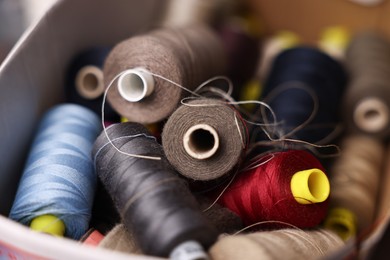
365	104
58	178
355	178
264	194
187	56
204	139
278	244
84	83
304	89
154	203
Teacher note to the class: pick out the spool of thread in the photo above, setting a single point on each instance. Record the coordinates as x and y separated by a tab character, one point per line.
187	56
278	244
58	183
302	79
334	41
85	83
154	203
289	187
183	13
366	101
355	178
272	47
243	52
384	187
222	218
204	139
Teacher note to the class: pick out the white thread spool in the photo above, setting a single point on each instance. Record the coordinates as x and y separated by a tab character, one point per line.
371	115
201	141
89	82
135	84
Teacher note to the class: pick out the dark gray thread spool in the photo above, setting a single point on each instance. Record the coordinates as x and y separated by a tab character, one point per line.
154	203
188	56
204	139
367	98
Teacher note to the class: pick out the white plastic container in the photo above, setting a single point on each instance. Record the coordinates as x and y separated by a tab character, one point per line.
32	80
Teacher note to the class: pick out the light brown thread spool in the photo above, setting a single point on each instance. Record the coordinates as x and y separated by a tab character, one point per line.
367	98
89	82
204	139
187	56
280	244
355	178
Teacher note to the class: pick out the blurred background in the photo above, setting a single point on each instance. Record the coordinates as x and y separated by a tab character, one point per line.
15	17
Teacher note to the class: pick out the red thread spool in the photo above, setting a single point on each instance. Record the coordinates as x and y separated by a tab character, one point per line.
265	193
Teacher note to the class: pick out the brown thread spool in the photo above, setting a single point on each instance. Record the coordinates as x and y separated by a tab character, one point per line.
366	99
279	244
187	56
355	178
204	139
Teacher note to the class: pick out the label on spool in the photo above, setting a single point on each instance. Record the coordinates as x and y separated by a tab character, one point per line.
190	250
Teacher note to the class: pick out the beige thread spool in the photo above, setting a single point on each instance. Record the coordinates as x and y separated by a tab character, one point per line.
355	178
89	82
279	244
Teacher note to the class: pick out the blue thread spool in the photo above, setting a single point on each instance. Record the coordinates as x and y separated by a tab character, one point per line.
59	177
295	74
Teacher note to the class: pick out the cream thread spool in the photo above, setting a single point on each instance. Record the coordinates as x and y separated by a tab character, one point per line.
279	244
89	82
135	84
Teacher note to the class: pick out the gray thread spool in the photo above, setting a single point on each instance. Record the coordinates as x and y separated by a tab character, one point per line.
188	56
366	102
204	139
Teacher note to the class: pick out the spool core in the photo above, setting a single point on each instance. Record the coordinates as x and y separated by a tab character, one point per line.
135	84
49	224
342	222
201	141
371	115
89	82
310	186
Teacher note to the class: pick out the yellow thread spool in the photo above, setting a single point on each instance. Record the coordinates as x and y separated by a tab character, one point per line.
310	186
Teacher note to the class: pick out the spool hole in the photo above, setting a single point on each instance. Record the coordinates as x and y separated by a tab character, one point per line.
90	81
340	229
201	141
132	87
371	115
316	187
